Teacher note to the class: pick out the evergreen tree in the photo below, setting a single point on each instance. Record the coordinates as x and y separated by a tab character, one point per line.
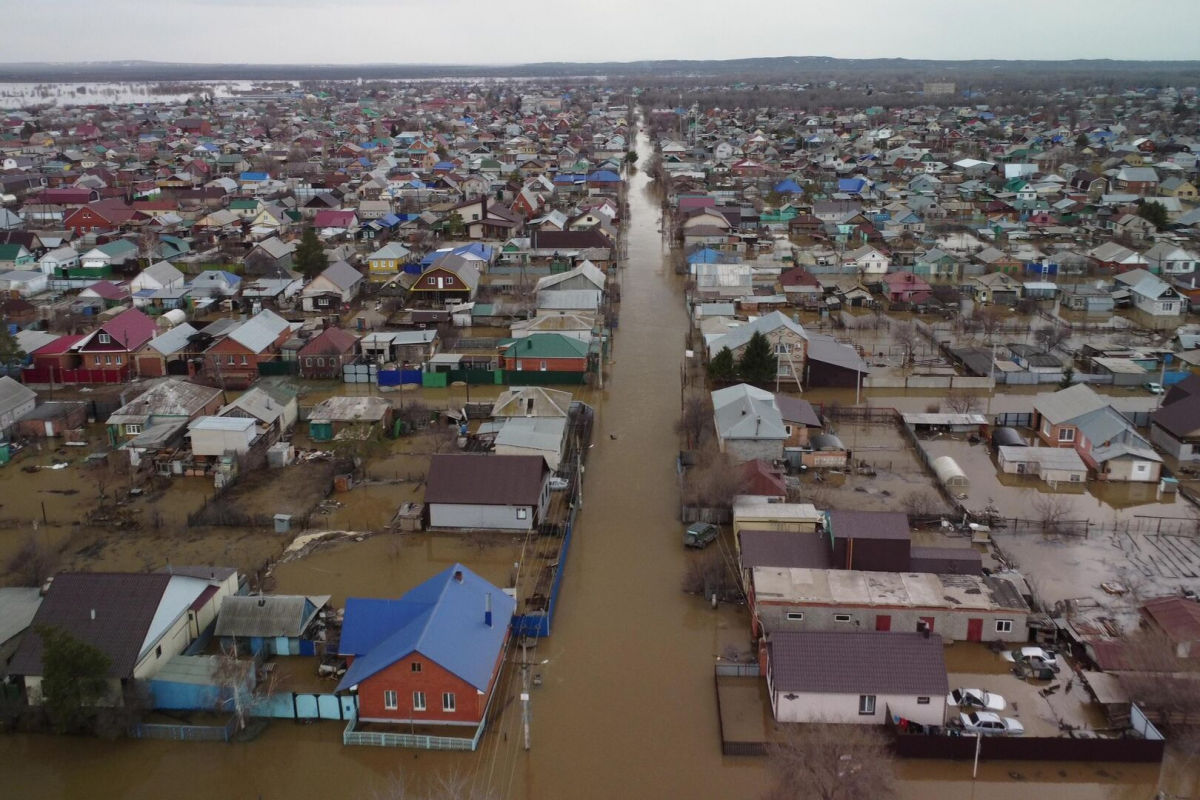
11	354
74	678
1154	212
721	368
758	363
309	258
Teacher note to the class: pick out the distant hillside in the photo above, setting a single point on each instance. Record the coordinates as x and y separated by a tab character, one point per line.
804	68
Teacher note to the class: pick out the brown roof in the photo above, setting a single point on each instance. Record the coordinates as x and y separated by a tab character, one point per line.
864	662
1178	617
869	525
488	480
124	605
330	340
785	549
793	409
1181	418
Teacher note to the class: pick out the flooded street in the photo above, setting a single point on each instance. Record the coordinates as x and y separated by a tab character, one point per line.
627	704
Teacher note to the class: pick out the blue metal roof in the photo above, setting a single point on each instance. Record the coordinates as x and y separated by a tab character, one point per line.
705	255
254	176
788	186
851	184
442	619
604	176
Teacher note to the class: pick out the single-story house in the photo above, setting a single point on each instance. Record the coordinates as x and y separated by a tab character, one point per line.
1052	464
279	625
16	400
492	492
856	677
748	423
349	418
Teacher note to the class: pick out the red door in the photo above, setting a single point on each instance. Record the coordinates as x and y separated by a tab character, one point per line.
974	630
883	622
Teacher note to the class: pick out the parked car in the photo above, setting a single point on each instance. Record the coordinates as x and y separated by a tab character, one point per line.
989	724
976	698
557	484
1153	387
699	534
1033	656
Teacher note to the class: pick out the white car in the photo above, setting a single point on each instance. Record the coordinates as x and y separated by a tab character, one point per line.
557	484
1035	656
976	698
989	724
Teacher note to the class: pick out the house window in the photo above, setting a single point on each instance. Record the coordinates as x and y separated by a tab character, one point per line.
922	701
320	362
448	702
230	361
390	701
866	704
243	361
118	360
97	361
103	338
543	366
1066	435
1004	626
415	666
1075	477
1168	306
522	513
795	616
432	281
158	651
308	362
782	348
108	360
133	428
418	701
841	617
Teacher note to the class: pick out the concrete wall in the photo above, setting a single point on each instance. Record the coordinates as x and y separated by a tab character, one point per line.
750	449
460	515
951	624
172	643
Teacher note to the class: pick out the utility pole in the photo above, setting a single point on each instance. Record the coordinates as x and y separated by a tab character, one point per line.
525	711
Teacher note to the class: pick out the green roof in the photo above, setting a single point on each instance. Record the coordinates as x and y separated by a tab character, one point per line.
547	345
243	203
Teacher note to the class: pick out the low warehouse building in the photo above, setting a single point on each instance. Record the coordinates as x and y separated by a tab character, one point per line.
1052	464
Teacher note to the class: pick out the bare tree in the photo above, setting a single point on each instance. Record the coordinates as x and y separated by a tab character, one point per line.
1051	336
714	481
1052	510
34	561
237	688
922	503
831	762
709	574
454	785
905	335
988	318
694	417
964	402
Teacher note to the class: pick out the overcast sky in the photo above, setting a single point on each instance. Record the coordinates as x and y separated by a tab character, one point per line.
522	31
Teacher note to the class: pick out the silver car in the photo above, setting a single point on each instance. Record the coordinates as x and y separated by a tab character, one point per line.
976	698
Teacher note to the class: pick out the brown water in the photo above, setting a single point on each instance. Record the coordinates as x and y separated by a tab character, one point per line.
627	706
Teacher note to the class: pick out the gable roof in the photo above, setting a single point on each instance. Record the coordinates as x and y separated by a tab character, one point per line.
765	324
536	401
1067	404
131	329
547	345
861	662
341	275
442	619
330	340
131	611
493	480
747	412
1178	617
272	615
258	332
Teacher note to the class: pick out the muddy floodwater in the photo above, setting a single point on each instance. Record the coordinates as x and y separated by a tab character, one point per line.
626	706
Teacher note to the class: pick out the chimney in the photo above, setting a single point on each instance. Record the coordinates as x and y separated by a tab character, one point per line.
487	609
458	576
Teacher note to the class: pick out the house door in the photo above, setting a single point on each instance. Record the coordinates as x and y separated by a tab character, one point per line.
883	622
974	630
49	427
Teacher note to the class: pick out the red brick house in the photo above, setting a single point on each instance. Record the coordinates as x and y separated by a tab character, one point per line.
106	354
233	361
546	352
906	287
326	353
431	657
106	215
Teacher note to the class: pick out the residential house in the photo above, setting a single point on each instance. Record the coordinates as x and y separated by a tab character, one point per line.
1107	442
788	340
1161	304
22	283
490	492
748	423
139	621
212	437
451	278
106	354
335	287
906	287
579	325
16	400
169	353
169	403
324	355
433	656
413	347
1178	619
532	401
157	276
1175	427
1137	180
57	262
234	360
998	288
857	677
271	257
273	407
539	436
866	261
388	261
546	352
271	625
1171	261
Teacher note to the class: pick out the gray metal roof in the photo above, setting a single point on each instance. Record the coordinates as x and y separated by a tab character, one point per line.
536	433
268	615
256	333
746	412
14	394
1057	458
764	324
173	340
864	662
18	605
1069	403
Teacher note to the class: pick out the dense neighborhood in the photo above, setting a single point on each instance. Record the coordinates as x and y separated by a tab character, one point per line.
918	386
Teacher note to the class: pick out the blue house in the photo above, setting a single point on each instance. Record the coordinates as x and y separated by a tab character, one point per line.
432	656
788	186
851	185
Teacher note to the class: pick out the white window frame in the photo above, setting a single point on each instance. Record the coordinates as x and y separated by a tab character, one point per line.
866	705
841	617
522	513
1066	435
1004	626
104	338
449	702
795	616
391	700
418	701
133	428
